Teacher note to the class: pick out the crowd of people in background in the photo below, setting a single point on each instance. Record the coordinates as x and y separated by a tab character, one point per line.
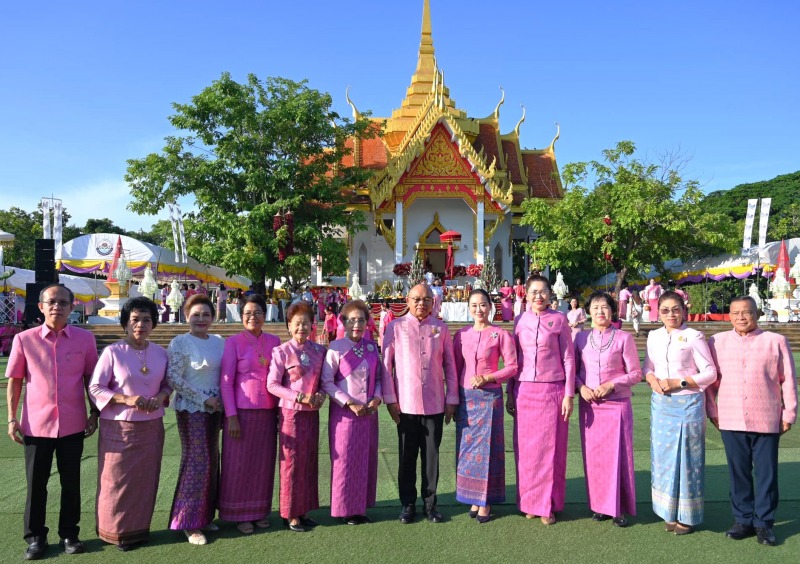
260	400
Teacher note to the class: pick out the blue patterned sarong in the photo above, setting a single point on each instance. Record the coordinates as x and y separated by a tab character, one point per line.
678	457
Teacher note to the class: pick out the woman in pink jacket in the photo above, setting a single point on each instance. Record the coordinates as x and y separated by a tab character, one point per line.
249	439
294	377
480	440
607	368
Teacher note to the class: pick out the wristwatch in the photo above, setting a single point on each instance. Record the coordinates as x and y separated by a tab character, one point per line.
684	383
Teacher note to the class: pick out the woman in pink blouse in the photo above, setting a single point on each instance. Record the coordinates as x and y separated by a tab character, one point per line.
129	387
351	377
576	317
250	427
540	400
678	367
607	368
294	377
506	301
480	432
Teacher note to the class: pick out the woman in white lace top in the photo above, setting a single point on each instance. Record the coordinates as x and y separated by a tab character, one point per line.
194	374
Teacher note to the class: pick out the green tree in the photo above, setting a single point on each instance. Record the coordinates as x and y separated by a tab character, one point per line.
246	153
27	227
634	215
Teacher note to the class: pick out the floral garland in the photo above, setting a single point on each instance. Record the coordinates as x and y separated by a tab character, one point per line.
402	269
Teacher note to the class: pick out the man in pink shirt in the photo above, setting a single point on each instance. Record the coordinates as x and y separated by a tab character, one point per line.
56	361
420	389
752	403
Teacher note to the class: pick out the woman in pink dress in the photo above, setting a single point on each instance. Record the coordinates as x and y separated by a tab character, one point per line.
330	323
519	295
507	301
351	377
129	387
540	400
651	293
607	368
294	377
576	317
250	427
480	432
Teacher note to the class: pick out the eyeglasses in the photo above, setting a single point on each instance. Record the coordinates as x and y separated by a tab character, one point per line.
673	311
544	293
356	321
419	300
54	303
253	314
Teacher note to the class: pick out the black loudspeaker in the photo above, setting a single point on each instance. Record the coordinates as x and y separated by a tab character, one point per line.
32	291
44	245
45	261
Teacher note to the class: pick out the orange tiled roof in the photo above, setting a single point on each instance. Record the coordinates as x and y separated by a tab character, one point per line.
541	181
512	162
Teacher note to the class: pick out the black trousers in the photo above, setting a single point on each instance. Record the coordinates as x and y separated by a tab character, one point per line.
419	435
746	453
38	465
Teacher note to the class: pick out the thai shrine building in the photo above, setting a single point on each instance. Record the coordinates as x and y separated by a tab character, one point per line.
437	169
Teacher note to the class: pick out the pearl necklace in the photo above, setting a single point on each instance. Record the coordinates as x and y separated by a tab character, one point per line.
604	347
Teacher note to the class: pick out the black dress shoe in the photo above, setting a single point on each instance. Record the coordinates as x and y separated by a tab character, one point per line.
473	514
433	515
621	522
36	550
365	519
298	528
352	520
308	523
765	536
739	531
599	517
408	514
73	546
483	518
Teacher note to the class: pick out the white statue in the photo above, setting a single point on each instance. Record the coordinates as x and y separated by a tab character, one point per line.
560	288
175	298
753	292
355	289
148	285
780	286
429	278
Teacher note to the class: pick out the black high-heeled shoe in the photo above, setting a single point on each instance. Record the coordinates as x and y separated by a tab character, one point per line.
473	514
298	528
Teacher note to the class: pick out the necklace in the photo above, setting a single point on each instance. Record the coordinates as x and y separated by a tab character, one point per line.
358	350
259	347
604	347
142	355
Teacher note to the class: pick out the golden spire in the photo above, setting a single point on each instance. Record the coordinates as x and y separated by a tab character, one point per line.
426	42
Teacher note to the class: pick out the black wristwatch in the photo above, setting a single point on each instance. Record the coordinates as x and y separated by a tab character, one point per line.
684	383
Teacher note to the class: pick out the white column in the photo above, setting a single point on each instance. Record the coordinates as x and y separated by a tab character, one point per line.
479	250
319	270
398	232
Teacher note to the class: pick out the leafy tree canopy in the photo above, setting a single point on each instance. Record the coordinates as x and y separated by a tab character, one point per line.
624	215
247	152
784	213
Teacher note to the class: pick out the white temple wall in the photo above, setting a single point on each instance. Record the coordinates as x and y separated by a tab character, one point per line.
501	237
379	256
454	215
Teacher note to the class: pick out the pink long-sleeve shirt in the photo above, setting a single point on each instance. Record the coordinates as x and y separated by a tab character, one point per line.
295	368
356	385
56	368
119	372
544	350
757	384
681	353
618	363
479	353
243	379
419	368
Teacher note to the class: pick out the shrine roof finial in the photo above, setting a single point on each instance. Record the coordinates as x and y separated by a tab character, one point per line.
500	103
356	113
519	124
558	134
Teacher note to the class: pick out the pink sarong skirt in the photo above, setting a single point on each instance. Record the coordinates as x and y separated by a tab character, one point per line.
354	461
299	458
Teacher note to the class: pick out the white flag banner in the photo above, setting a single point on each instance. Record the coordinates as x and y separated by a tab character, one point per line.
46	219
57	224
749	219
763	220
2	266
182	234
174	225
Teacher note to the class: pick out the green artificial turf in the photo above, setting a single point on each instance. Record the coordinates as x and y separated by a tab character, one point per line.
507	538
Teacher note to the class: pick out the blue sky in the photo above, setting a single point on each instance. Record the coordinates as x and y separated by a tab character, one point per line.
84	86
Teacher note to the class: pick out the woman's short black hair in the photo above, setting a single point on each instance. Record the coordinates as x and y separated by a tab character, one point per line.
252	299
612	304
139	303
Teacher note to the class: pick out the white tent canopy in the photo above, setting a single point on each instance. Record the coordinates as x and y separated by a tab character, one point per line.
6	237
90	253
85	289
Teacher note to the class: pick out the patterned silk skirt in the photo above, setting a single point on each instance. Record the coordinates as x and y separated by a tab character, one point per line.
480	447
299	456
248	466
195	498
607	445
678	457
128	470
540	448
354	461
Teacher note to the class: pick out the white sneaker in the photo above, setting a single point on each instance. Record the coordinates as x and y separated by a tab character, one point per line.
195	537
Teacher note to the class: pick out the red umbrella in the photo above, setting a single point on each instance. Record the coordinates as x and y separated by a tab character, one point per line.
115	261
450	237
783	260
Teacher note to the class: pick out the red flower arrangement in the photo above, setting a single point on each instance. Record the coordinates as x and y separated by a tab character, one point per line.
402	269
474	270
459	270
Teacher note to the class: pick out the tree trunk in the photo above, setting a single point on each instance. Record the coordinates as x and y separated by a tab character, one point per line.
621	275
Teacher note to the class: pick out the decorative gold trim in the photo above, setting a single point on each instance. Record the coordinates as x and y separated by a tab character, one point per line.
390	235
488	232
435	224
